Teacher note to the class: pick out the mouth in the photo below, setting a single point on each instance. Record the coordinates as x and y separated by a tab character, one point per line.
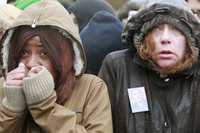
166	52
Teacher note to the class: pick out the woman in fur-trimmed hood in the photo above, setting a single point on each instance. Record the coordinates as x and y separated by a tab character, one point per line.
45	88
154	84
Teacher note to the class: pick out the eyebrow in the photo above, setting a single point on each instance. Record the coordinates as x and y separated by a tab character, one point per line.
40	45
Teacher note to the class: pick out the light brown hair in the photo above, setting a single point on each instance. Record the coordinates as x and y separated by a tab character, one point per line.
148	46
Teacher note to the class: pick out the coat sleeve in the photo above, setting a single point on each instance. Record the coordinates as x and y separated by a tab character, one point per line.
54	118
108	74
10	121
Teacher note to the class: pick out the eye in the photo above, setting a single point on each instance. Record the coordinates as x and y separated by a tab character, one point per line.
24	53
43	54
156	30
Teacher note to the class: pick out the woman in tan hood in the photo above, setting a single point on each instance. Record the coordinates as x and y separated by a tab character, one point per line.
45	89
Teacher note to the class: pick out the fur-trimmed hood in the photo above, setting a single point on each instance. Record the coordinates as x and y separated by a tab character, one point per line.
173	12
8	14
49	13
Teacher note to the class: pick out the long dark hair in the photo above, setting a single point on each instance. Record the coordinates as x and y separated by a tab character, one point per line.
59	50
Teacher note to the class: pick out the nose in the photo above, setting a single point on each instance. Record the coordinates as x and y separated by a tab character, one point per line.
165	36
32	62
165	41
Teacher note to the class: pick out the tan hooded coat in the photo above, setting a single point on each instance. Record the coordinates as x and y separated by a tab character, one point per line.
86	111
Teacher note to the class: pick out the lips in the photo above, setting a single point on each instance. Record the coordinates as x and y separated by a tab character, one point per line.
166	54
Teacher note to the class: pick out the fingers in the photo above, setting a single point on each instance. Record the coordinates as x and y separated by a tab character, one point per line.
14	83
15	77
23	67
18	73
34	70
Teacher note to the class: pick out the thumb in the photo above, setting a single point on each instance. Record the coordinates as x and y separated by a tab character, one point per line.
21	65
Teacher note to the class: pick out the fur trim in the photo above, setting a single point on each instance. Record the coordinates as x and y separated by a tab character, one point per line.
5	50
78	62
140	23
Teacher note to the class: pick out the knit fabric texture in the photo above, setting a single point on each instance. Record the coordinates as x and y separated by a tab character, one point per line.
38	87
14	98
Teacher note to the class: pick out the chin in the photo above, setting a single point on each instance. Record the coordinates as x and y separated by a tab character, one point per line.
167	68
166	65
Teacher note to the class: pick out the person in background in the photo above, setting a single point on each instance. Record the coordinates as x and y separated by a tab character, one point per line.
22	4
99	29
45	90
101	36
154	85
84	10
195	6
66	3
10	1
129	8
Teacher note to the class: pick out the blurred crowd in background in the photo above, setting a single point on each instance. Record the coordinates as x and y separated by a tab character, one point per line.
121	8
96	24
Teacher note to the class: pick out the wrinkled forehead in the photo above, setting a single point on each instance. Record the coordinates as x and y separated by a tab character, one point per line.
166	25
169	27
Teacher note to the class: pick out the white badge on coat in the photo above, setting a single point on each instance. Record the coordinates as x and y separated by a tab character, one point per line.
138	99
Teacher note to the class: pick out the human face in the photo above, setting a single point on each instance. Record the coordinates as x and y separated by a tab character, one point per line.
33	54
170	45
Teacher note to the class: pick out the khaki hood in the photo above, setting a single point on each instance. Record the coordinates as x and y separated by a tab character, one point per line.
49	13
8	14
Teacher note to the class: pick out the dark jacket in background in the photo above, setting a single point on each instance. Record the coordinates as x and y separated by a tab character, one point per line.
100	36
66	3
84	10
128	6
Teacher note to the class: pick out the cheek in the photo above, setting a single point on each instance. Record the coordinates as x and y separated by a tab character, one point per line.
181	52
155	42
156	36
181	46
